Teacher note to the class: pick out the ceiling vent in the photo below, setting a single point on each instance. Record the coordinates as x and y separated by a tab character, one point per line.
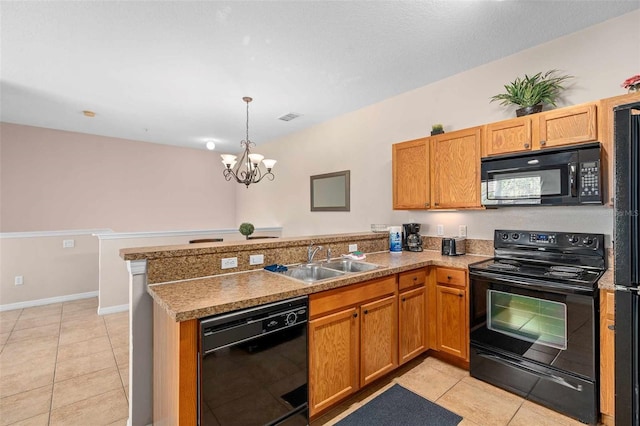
289	117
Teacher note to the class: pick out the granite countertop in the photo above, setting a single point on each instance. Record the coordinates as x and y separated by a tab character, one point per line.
201	297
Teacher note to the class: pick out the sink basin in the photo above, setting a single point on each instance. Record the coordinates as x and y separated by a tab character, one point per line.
348	265
311	273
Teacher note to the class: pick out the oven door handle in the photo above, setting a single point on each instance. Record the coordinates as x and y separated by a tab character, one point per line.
531	284
556	379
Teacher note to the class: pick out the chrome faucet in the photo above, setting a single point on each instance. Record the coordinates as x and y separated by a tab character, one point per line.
311	252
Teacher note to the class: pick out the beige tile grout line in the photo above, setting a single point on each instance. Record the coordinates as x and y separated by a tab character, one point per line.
55	365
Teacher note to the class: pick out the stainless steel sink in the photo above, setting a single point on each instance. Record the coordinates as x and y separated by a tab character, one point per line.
314	272
348	265
311	273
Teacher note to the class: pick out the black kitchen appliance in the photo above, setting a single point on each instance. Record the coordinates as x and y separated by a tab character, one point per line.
253	366
411	239
534	326
453	246
550	177
626	265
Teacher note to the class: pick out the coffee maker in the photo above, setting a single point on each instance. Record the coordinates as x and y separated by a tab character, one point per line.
411	240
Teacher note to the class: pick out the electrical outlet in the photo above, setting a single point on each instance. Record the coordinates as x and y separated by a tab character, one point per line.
462	231
440	230
18	280
353	247
256	259
229	262
68	243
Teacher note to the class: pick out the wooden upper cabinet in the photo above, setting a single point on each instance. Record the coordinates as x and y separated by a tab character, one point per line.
411	174
566	126
508	136
455	169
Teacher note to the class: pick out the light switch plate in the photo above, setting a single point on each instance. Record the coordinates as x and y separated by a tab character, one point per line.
440	230
229	262
462	231
18	280
256	259
68	243
353	247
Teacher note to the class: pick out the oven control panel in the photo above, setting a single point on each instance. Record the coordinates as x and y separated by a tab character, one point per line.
559	240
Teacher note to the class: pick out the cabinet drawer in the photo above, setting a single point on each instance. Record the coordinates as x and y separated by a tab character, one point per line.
411	278
331	300
456	277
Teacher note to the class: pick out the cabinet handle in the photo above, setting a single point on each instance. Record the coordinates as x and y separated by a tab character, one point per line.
366	311
415	278
426	204
611	327
448	277
526	145
543	143
403	299
436	204
459	294
355	315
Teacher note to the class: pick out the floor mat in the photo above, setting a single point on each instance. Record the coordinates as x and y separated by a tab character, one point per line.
399	406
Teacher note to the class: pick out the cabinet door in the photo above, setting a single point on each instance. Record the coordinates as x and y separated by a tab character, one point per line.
451	320
411	174
607	354
379	339
455	169
568	126
333	358
508	136
412	324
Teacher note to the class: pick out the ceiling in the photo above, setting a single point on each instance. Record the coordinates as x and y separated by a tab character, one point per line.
175	72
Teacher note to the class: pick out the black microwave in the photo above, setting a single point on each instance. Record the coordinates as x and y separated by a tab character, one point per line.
565	176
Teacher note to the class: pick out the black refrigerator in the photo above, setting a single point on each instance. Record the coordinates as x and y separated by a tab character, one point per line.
627	274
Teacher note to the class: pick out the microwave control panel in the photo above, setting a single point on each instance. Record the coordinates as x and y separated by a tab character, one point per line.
590	180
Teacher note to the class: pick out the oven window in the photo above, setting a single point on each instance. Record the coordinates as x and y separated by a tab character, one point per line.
523	185
527	318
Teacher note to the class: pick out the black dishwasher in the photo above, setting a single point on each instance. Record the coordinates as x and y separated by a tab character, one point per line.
253	366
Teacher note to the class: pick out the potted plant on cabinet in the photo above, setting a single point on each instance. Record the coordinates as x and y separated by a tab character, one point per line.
246	229
436	129
532	92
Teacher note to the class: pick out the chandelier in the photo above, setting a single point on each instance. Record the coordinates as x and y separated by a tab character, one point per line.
246	170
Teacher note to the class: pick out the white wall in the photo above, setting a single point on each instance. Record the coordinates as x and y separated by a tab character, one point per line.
600	58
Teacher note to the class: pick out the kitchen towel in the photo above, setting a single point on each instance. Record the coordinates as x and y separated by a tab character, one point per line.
399	406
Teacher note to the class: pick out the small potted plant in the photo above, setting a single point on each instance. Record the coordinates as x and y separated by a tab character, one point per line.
246	229
532	92
436	129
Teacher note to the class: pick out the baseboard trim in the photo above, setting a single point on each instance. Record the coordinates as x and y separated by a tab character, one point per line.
113	309
47	301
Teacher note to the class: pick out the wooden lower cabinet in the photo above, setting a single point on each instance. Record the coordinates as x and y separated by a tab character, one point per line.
607	356
353	339
333	353
378	339
447	315
412	323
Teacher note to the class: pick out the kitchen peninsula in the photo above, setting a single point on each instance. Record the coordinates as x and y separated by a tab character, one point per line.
186	283
178	285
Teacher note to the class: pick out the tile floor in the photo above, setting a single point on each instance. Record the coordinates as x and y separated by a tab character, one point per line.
450	387
63	364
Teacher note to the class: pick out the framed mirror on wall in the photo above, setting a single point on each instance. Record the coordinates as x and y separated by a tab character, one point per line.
330	192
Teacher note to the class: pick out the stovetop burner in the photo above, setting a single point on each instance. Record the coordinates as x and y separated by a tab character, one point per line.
504	265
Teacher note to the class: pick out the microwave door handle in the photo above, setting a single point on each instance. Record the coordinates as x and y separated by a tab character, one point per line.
573	181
